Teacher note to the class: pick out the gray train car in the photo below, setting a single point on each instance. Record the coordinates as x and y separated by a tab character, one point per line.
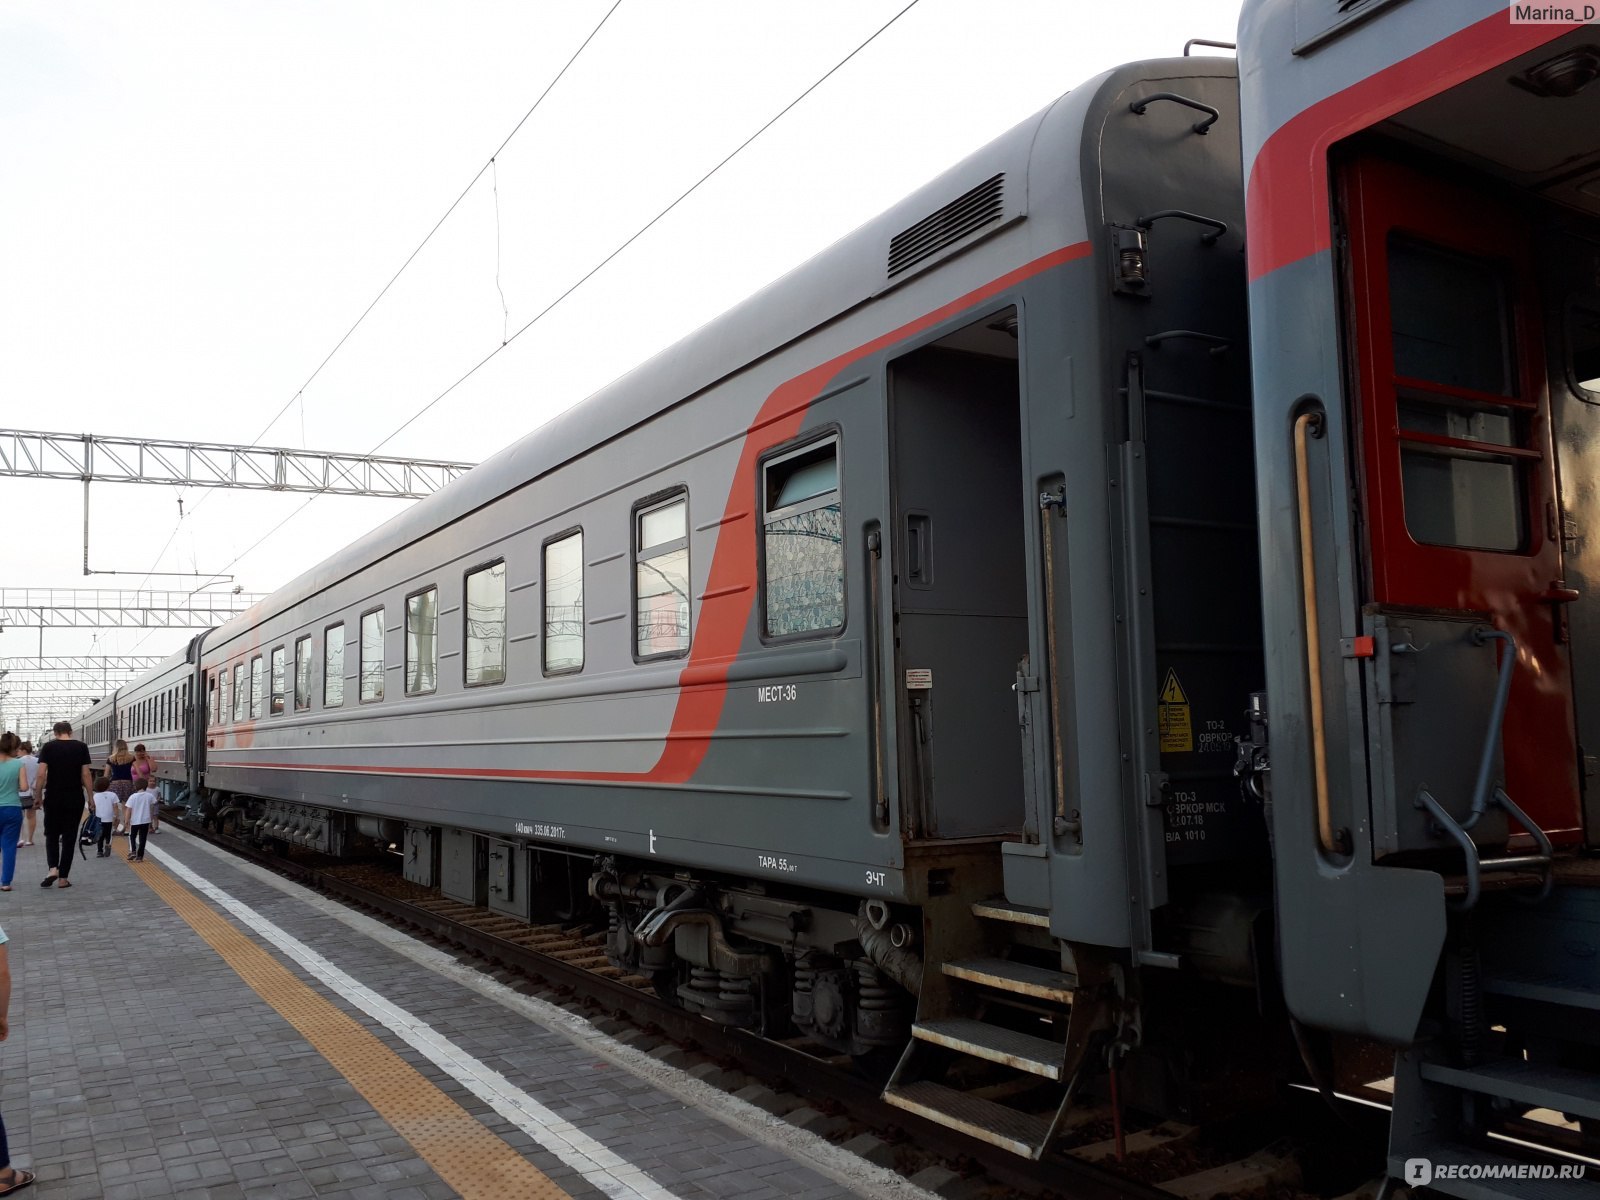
1424	257
97	728
152	711
872	661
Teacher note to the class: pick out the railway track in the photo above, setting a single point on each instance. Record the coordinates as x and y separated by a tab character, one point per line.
819	1089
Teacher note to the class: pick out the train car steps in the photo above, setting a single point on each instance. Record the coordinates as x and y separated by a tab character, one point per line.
1035	1055
985	1120
1015	914
1537	1085
1007	976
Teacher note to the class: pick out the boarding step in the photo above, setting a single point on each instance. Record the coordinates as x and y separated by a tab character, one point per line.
985	1120
1545	989
1015	914
1007	976
1474	1174
1536	1085
1035	1055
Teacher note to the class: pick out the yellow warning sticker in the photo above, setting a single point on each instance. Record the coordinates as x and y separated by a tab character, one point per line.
1172	716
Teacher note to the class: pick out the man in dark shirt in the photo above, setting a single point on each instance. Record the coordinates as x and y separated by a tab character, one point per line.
64	782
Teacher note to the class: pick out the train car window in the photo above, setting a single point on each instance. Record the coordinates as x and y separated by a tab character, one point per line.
257	688
183	705
484	629
661	579
241	692
302	673
222	697
803	542
280	681
333	666
372	655
1583	343
563	604
422	641
1451	321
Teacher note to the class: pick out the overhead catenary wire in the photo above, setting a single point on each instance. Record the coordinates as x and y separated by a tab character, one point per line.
547	309
299	394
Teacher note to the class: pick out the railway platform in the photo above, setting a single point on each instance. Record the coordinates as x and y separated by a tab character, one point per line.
194	1026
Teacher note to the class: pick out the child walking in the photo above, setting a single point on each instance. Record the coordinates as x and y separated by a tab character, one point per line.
105	807
140	805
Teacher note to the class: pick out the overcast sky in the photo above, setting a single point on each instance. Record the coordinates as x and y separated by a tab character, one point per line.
197	200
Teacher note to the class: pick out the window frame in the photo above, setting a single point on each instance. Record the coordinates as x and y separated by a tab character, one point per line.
794	448
309	642
383	653
224	695
505	613
344	645
659	500
278	681
544	605
405	630
241	674
258	688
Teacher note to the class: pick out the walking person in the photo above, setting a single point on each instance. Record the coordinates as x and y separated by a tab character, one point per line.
64	781
13	780
140	806
11	1179
144	779
30	813
105	808
120	768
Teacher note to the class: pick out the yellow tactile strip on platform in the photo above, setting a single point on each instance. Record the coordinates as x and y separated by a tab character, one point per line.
466	1155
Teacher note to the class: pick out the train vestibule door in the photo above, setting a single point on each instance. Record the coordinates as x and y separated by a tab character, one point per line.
1571	266
1457	480
960	594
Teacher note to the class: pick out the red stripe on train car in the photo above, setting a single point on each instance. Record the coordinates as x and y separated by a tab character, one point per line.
1286	205
730	591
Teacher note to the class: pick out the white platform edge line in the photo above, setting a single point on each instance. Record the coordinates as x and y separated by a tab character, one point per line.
832	1162
572	1146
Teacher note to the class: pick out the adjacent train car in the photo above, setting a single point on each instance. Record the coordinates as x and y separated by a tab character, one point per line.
1424	257
97	728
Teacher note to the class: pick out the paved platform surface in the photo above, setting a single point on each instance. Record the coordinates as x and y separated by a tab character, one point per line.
193	1026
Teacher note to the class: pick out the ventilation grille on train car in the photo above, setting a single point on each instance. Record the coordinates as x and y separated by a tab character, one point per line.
969	211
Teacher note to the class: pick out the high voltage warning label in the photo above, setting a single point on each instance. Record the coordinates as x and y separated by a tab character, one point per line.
1172	716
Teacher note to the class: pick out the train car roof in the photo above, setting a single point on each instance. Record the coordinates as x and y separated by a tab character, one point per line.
839	278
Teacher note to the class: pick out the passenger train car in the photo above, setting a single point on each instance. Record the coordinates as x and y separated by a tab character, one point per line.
889	659
1424	255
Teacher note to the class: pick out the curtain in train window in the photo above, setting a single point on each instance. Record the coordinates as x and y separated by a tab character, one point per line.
803	531
372	655
661	579
484	630
302	673
1453	366
257	688
333	666
563	604
241	693
280	680
422	642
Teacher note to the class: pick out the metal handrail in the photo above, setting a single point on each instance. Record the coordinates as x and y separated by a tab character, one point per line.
1305	426
1497	715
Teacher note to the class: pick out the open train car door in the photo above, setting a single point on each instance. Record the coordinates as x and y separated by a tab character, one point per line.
1569	255
1460	504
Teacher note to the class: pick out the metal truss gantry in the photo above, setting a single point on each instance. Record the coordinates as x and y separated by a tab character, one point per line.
89	666
86	608
29	454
